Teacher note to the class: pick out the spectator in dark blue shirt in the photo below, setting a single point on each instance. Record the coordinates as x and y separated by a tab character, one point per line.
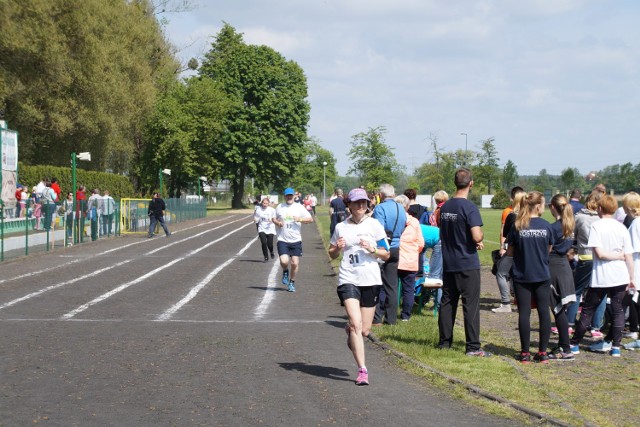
461	236
574	200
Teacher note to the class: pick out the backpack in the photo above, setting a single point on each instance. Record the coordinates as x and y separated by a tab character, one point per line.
425	218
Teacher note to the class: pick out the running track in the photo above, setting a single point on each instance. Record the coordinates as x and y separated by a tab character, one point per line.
193	330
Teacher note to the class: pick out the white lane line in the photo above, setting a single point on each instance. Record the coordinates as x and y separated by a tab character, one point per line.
169	321
204	282
269	294
124	286
48	270
59	285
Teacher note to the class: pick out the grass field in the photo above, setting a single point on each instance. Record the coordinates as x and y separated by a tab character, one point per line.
593	390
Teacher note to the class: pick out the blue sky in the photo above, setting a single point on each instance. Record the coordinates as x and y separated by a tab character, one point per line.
555	82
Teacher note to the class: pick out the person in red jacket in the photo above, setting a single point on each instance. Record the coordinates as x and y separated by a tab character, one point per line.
56	187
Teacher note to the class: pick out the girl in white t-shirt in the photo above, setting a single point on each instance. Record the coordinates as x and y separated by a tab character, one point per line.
612	275
362	242
263	216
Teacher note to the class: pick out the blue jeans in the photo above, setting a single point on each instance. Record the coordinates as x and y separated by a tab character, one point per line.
152	225
582	280
408	280
107	225
435	262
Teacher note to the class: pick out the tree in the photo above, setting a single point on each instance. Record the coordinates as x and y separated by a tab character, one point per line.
81	75
509	176
265	128
487	169
372	159
181	133
309	177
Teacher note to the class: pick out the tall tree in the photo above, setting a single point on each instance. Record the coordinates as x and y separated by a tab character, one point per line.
509	176
265	128
182	131
372	159
81	75
487	169
311	173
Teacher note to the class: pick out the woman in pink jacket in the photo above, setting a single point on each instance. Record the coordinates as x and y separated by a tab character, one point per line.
411	244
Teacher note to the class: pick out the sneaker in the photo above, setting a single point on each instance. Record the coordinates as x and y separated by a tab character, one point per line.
614	352
634	345
541	357
285	277
168	234
266	259
291	287
600	346
272	255
363	377
575	349
596	333
504	308
554	330
523	357
632	335
479	353
558	354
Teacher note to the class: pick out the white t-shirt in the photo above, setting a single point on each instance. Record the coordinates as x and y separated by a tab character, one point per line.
634	232
263	218
611	236
359	267
290	232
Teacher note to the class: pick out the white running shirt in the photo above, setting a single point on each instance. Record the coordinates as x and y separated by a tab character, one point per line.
264	216
359	267
290	232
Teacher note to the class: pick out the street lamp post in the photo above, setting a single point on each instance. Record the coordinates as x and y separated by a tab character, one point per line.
80	156
465	148
324	183
160	172
203	179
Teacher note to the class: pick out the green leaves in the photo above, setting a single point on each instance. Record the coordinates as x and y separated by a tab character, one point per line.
372	159
265	127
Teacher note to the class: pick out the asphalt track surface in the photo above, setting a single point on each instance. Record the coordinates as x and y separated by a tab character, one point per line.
194	330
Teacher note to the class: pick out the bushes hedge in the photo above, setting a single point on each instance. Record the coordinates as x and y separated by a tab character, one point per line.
119	186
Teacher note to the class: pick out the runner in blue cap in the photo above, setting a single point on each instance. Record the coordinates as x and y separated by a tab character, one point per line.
289	219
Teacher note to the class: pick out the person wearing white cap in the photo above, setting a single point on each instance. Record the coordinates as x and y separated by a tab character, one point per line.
289	219
362	241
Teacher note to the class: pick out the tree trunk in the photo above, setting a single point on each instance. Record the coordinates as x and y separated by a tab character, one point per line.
237	186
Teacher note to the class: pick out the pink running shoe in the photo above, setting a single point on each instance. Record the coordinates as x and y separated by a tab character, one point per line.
554	330
596	333
363	377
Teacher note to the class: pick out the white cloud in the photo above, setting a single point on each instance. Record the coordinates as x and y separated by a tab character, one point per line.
542	76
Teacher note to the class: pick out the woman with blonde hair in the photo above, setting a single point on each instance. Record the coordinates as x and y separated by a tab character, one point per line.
530	240
631	205
563	291
582	274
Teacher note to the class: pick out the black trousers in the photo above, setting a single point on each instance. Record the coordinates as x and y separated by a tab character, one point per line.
458	285
266	240
387	308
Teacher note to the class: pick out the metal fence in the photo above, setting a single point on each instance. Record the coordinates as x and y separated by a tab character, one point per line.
46	227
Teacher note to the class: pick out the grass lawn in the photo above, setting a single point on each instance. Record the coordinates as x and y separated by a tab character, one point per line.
592	390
